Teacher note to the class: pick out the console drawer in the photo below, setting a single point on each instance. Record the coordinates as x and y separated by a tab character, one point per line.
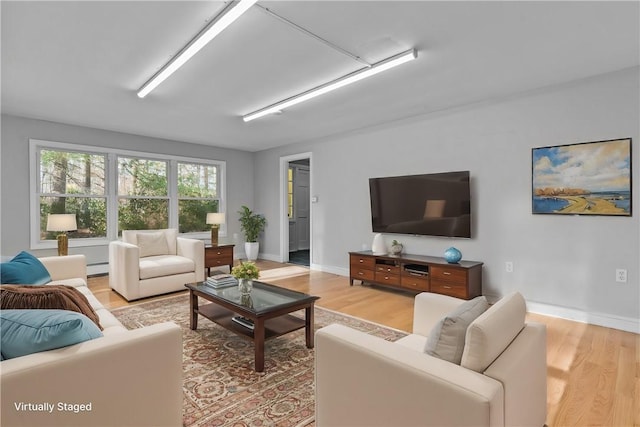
363	261
415	283
451	275
360	273
458	290
387	279
388	269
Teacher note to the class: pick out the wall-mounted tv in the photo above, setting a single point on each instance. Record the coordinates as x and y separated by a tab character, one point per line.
436	204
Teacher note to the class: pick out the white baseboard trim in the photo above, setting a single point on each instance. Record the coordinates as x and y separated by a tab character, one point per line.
97	269
601	319
269	257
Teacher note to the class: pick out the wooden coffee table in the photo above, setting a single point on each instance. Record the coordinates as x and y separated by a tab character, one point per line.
267	309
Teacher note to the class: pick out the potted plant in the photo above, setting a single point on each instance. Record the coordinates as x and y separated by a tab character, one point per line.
252	225
396	247
245	272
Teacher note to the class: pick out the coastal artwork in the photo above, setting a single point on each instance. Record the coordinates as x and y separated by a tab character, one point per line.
591	178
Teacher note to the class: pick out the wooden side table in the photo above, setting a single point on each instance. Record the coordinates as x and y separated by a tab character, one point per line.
215	256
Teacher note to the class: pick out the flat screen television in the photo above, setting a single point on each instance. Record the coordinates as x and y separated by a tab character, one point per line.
436	204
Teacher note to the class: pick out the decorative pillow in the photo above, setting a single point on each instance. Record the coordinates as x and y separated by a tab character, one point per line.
490	334
58	297
24	332
24	269
152	244
446	340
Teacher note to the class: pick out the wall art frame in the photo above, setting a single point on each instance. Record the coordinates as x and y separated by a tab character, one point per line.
586	178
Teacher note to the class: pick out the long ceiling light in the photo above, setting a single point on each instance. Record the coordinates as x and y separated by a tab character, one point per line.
363	73
230	13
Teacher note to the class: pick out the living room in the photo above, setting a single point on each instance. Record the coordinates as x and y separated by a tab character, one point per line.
586	91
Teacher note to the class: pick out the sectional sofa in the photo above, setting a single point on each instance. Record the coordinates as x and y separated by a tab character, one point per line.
124	378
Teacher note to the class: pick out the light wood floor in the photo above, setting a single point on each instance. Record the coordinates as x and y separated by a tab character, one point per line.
593	374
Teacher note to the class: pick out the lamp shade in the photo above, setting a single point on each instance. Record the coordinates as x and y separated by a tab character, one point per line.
215	218
61	222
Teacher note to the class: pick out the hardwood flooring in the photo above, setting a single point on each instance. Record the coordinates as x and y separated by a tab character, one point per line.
593	373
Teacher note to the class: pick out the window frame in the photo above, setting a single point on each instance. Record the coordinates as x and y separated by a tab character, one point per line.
111	189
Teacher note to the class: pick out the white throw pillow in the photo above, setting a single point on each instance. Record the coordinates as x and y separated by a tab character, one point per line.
154	243
446	339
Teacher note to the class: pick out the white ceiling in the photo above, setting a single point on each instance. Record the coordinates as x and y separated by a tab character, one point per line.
82	62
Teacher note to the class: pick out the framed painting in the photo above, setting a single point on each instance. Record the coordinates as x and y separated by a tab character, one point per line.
588	178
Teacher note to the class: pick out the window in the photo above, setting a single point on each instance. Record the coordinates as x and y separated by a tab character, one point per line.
143	195
72	182
197	195
113	190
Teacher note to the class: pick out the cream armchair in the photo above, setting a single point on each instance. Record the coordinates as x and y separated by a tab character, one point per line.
362	380
154	262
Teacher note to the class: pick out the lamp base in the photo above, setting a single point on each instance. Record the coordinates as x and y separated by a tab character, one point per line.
214	234
63	244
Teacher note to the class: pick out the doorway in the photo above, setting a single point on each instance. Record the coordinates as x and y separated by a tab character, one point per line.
296	209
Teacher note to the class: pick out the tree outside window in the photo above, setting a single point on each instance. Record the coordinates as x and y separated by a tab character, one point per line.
197	195
143	195
73	183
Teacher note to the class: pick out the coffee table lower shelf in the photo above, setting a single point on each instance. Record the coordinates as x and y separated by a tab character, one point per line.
274	327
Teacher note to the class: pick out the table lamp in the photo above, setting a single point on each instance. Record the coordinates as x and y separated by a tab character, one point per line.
62	223
215	219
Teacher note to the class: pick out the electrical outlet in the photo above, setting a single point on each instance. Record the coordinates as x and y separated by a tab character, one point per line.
508	267
621	275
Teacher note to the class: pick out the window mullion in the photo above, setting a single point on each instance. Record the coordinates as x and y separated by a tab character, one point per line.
172	181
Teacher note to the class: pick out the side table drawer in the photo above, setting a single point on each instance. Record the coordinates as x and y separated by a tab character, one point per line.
218	256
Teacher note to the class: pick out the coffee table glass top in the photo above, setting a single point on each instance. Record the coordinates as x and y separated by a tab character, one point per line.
262	299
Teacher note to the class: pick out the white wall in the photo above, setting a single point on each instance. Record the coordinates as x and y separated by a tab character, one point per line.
564	265
14	149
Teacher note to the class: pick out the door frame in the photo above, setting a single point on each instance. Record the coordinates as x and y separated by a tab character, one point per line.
284	204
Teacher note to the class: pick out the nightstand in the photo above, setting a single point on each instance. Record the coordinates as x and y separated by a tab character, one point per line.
215	256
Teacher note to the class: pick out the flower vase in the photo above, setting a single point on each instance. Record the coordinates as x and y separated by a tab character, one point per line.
245	286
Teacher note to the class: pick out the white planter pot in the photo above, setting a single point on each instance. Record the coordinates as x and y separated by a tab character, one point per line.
251	250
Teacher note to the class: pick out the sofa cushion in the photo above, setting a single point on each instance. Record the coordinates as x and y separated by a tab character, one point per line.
446	340
24	332
46	297
165	265
24	269
151	244
490	334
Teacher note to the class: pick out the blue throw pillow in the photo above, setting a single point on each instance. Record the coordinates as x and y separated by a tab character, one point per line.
31	331
24	269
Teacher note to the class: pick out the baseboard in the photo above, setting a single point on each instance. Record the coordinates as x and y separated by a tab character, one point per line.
98	269
607	320
601	319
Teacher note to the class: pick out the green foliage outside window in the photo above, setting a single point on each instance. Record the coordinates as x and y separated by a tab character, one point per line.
74	182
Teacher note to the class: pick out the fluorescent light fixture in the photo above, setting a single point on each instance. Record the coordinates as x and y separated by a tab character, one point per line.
363	73
215	27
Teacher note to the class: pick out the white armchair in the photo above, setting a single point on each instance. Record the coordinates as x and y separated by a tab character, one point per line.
154	262
363	380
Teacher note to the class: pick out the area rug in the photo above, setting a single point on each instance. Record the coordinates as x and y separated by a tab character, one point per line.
221	387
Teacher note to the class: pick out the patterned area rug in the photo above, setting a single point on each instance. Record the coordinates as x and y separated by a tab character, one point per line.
221	387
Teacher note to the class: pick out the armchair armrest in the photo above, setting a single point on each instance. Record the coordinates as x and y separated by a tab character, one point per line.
66	267
363	380
194	250
124	269
429	308
132	378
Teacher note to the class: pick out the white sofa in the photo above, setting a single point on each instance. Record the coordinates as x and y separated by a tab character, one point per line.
362	380
130	377
159	263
